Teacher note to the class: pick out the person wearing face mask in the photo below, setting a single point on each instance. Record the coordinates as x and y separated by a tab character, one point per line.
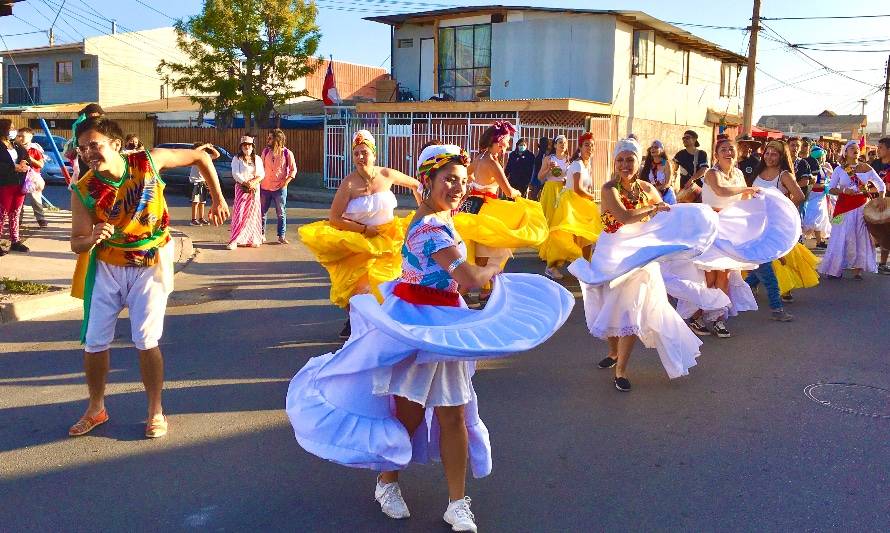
519	167
400	390
120	229
624	294
575	225
132	144
247	221
14	164
552	174
850	246
360	243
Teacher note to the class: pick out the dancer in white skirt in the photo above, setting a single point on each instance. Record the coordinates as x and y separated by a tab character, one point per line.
817	217
400	389
851	246
624	295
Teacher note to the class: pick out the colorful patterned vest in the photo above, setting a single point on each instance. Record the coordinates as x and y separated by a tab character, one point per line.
135	205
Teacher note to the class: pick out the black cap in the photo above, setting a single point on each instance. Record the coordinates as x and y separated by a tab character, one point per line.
746	138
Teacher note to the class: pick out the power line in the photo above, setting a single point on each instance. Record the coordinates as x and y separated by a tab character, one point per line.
827	18
23	33
708	26
155	10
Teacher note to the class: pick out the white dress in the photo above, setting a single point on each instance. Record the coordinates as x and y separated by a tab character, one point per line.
622	285
850	245
340	404
816	208
373	209
749	233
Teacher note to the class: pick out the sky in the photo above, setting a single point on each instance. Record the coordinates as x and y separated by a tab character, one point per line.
786	82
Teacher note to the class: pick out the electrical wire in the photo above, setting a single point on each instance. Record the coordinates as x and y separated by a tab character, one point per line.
826	17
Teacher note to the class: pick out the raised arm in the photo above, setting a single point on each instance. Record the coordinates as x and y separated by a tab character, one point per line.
612	204
171	158
467	275
398	178
544	171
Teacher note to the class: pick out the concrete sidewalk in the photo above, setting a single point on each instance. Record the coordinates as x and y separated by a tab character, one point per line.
51	262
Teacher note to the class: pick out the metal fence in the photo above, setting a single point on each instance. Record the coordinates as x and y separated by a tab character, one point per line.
401	136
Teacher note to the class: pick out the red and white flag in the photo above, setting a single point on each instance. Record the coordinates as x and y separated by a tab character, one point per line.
329	93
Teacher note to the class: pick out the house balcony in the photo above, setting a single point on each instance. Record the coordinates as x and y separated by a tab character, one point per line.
22	95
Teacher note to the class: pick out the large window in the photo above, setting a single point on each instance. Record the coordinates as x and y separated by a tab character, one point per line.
644	52
64	72
465	62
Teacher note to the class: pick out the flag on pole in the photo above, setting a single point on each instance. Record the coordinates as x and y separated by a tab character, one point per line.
329	93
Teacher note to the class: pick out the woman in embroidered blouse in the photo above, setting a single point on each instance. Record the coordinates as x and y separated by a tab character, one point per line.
247	223
416	353
851	246
359	245
553	174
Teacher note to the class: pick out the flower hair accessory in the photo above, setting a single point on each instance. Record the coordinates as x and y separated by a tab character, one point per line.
586	136
502	129
364	137
434	157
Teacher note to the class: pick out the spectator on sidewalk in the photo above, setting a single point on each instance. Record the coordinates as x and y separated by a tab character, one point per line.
199	186
13	167
120	229
24	138
247	170
280	168
520	165
535	186
132	144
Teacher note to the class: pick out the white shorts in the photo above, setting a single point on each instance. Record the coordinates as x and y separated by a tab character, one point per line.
142	290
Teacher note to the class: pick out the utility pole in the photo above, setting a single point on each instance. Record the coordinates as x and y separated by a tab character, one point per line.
863	102
748	111
886	117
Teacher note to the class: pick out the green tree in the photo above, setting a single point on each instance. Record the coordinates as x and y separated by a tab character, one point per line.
245	55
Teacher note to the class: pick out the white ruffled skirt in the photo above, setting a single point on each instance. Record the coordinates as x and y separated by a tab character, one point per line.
749	233
623	289
816	216
341	405
850	246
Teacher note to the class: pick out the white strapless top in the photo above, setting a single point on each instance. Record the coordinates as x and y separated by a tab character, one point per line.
490	188
372	209
770	184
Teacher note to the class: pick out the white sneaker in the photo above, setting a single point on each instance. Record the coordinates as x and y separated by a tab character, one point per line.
459	515
392	504
231	246
553	273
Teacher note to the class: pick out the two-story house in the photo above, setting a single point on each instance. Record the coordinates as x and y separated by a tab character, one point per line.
550	71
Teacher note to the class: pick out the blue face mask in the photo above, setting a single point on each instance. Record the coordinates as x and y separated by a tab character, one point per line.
520	148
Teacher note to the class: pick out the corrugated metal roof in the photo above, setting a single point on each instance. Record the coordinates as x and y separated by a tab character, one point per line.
637	18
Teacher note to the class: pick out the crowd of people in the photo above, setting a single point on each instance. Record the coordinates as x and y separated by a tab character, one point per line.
660	261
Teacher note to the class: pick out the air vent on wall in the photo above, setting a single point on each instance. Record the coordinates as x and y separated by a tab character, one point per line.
405	43
497	17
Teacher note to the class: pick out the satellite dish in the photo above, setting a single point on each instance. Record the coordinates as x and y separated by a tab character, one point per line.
771	123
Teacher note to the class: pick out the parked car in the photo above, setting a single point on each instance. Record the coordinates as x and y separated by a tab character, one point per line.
51	172
179	177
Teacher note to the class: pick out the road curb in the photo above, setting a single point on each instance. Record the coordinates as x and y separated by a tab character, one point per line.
60	301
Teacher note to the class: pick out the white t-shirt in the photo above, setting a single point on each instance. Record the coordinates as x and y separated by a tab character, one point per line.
195	175
578	167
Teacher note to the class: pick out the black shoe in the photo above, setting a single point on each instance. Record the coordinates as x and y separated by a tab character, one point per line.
884	269
42	223
857	277
788	298
346	331
720	330
622	384
3	252
608	362
699	328
19	246
822	245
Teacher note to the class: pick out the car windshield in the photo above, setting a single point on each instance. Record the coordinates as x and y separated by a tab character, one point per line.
44	142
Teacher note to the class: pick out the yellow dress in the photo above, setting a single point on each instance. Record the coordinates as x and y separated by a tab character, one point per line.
799	270
549	198
576	223
356	263
502	224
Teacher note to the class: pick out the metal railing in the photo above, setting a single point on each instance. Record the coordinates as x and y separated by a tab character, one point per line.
23	95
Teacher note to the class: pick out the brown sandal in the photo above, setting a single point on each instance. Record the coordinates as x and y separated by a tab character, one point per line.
88	423
156	428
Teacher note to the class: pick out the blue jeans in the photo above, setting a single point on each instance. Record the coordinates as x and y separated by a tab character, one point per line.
279	198
766	275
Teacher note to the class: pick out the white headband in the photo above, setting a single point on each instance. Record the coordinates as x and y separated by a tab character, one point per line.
434	150
627	145
849	144
560	138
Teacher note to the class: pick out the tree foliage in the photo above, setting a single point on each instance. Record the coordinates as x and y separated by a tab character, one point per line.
245	56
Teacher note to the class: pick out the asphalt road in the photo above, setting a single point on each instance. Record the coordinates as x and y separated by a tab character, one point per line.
736	446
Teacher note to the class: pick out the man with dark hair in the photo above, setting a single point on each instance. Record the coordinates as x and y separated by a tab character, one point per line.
120	228
693	162
882	166
748	160
519	167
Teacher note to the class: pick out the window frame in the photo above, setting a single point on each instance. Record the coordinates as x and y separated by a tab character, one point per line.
685	64
448	78
733	73
635	64
70	64
86	63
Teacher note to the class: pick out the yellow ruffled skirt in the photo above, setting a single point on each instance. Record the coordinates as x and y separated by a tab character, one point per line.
549	197
357	264
799	270
502	224
576	223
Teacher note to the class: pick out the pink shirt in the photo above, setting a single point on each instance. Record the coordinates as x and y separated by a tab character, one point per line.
278	169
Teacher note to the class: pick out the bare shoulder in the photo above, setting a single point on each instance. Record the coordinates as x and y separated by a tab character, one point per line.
864	168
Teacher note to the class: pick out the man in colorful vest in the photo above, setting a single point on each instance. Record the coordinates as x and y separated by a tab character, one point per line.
120	229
